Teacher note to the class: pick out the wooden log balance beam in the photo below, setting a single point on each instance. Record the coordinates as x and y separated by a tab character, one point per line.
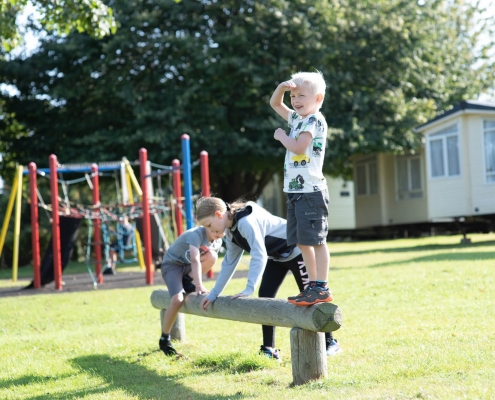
307	342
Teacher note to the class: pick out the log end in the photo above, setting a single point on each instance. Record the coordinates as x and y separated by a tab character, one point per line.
328	318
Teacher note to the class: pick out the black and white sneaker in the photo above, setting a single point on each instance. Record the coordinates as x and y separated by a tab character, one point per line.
270	353
333	347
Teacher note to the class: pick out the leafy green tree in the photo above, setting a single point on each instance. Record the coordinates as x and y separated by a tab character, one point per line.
93	17
208	69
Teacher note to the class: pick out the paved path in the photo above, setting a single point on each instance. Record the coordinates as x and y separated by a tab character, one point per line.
83	282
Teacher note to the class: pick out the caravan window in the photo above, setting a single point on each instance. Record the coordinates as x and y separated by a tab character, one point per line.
489	133
408	178
366	177
444	153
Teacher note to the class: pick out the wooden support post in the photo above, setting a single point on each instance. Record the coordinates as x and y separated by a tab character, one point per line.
308	353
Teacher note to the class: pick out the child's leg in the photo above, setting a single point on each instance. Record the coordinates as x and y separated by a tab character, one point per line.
172	275
311	212
171	312
168	321
309	257
274	275
292	238
322	258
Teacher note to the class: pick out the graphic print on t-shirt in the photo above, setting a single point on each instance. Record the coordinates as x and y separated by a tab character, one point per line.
303	172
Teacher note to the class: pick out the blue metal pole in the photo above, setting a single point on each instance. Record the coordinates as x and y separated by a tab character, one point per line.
186	169
78	169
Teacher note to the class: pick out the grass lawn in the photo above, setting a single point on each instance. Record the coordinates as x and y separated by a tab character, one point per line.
419	318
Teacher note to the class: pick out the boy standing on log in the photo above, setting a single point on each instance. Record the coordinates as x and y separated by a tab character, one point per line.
191	255
304	183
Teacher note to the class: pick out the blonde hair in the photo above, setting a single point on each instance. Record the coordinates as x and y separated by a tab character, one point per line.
314	80
208	206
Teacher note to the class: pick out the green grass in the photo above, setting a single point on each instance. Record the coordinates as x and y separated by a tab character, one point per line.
419	318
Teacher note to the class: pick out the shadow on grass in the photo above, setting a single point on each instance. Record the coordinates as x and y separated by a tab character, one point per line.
129	377
427	247
454	257
28	380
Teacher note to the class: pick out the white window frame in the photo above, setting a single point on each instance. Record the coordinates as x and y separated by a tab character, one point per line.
443	135
485	131
367	163
410	194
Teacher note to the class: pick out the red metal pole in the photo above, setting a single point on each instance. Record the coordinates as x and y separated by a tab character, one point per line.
205	187
205	174
95	180
148	259
57	258
35	234
177	196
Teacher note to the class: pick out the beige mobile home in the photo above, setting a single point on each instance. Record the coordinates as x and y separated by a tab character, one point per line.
453	176
340	210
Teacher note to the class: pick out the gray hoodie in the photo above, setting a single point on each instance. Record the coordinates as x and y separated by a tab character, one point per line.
265	237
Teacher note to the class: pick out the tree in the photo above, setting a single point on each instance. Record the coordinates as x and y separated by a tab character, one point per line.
93	17
208	69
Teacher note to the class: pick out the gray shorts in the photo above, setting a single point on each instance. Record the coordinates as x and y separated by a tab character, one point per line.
172	274
307	218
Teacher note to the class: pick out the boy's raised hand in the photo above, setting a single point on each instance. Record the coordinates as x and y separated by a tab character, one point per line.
277	99
288	85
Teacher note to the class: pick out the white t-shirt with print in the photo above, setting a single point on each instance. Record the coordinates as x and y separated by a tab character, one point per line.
303	173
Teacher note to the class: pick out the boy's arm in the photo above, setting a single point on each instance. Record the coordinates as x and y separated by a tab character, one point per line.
296	146
277	99
196	269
